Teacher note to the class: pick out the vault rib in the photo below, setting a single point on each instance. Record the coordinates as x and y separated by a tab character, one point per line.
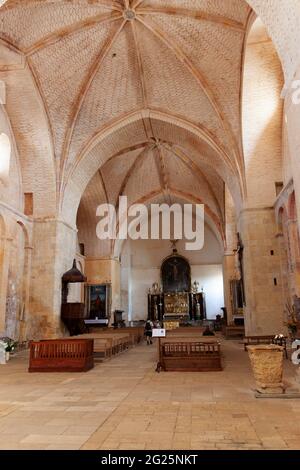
196	73
136	164
162	172
140	63
103	185
84	91
110	5
193	167
197	15
72	29
137	3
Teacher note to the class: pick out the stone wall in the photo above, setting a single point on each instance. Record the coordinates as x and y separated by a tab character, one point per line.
262	272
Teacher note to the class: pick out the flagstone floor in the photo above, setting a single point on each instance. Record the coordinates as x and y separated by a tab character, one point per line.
125	404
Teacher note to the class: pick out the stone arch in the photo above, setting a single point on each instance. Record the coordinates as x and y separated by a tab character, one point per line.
294	238
122	135
211	222
292	209
262	83
37	171
18	280
5	151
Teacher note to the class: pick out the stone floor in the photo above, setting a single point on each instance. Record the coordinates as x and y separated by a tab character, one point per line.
125	404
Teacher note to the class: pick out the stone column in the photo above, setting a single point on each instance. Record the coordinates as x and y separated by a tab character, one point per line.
228	275
262	272
4	268
26	292
291	122
293	241
229	259
54	248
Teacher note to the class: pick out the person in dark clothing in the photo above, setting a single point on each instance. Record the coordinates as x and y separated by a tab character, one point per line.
208	332
148	331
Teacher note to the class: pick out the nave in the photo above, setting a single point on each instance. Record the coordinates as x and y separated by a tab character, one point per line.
124	404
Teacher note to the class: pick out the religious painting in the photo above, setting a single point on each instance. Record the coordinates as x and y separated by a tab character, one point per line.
176	274
98	301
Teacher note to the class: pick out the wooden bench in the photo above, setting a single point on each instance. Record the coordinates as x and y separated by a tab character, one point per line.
264	339
61	355
136	333
233	331
109	344
189	355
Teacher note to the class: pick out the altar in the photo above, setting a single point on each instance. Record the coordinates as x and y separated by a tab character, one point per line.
176	301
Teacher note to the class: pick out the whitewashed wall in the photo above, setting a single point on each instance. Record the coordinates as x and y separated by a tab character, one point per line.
140	268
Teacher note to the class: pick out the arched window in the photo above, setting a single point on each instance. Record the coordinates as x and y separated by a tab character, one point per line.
5	151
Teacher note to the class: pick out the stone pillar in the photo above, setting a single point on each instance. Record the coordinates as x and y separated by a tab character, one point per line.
229	259
54	248
294	262
292	150
26	293
5	243
284	267
228	275
262	272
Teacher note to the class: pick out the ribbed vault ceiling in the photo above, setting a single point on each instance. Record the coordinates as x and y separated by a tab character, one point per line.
98	62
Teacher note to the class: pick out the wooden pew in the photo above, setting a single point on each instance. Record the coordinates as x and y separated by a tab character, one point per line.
61	355
109	344
136	333
189	354
233	331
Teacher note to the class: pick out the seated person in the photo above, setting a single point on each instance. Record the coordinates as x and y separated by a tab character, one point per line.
208	332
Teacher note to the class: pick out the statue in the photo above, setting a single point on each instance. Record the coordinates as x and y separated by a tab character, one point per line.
239	265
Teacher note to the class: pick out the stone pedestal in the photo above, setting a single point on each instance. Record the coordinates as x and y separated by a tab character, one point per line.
267	366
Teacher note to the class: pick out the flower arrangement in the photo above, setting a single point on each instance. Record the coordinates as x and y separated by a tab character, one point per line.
10	344
291	316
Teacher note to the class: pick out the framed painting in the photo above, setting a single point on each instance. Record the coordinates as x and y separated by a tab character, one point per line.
98	301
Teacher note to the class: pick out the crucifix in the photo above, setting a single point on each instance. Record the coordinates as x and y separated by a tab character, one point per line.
173	244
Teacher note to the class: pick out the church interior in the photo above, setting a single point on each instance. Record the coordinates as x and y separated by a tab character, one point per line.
166	102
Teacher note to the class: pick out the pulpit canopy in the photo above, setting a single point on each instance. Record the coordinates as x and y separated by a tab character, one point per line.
74	275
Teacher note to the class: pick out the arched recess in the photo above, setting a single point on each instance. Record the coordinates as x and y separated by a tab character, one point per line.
18	281
281	19
261	115
30	133
130	131
283	240
25	283
294	240
10	169
5	151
